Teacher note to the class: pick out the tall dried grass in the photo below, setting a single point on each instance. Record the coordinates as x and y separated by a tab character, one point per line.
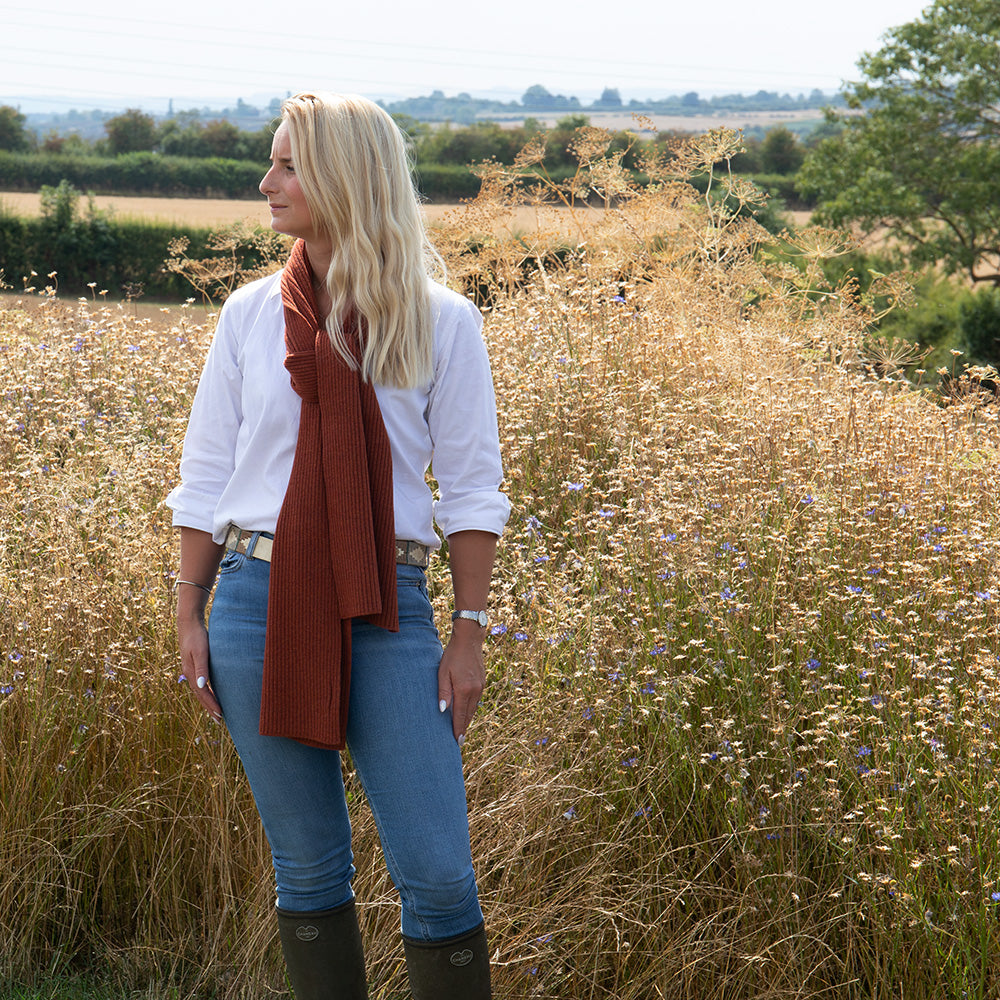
740	737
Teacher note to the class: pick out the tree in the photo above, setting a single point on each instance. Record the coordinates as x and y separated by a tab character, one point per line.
610	99
12	134
536	96
221	138
920	154
780	152
131	132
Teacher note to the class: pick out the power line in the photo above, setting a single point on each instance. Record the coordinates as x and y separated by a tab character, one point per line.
395	54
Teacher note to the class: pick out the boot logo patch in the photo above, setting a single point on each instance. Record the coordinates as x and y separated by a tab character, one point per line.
461	958
306	932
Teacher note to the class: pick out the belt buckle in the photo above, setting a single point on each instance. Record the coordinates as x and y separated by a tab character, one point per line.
242	540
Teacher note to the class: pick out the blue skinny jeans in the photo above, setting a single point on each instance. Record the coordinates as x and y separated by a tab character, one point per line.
401	745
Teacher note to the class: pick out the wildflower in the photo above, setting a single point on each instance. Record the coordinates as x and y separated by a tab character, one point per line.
649	688
603	512
574	487
588	713
520	636
995	897
7	689
807	499
541	741
855	590
182	679
727	594
812	663
864	752
498	630
644	811
630	762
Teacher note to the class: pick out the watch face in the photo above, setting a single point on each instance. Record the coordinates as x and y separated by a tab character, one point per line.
481	618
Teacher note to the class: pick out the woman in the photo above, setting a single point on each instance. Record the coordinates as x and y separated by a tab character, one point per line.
328	391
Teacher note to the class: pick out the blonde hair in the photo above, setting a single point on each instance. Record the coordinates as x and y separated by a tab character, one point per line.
353	167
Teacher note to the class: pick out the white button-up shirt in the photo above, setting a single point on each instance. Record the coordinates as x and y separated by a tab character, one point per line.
244	424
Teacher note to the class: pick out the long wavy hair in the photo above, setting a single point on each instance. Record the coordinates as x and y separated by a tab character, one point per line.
354	170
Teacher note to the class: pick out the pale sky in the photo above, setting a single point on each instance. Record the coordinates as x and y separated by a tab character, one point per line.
114	54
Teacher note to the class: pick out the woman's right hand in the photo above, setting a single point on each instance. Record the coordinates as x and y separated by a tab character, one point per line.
200	557
192	639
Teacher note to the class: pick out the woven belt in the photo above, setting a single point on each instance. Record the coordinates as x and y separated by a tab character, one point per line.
258	545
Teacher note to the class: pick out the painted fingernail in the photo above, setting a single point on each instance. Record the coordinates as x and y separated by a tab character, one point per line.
461	740
202	682
442	705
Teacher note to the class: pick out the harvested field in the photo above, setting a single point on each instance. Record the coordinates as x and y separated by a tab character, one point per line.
211	212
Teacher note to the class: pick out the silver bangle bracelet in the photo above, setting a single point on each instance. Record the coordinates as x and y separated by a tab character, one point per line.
191	583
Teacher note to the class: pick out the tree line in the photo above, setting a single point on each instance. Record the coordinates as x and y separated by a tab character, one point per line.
776	150
187	157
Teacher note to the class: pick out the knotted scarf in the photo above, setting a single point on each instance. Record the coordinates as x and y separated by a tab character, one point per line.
334	554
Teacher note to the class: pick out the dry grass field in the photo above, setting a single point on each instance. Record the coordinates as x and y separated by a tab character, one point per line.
694	124
740	738
209	212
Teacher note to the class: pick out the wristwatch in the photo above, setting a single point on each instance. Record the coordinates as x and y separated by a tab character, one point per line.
473	616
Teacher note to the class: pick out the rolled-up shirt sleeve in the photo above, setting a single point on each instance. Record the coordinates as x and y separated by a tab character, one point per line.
209	454
462	421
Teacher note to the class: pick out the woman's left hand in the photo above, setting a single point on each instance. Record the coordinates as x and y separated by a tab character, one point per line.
462	676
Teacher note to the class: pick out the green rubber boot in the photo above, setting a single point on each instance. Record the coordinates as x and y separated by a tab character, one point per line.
323	953
455	969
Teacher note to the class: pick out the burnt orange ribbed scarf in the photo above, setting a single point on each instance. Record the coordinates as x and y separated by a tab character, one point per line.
334	555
